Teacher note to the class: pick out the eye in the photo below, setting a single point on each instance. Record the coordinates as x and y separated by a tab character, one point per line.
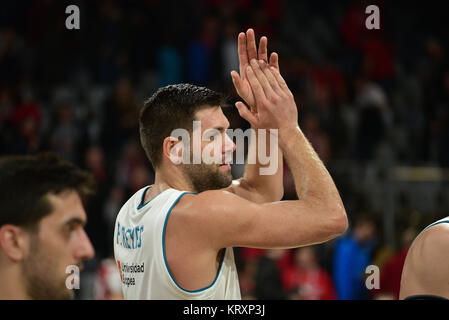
72	227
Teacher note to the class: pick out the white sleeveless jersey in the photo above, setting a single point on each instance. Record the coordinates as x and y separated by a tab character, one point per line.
140	253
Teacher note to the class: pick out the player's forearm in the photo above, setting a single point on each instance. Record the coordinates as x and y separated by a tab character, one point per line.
270	185
312	180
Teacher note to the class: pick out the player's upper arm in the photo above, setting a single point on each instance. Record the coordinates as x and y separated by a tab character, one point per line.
242	188
224	219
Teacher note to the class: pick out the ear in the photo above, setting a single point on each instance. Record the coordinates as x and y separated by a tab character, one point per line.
173	149
14	242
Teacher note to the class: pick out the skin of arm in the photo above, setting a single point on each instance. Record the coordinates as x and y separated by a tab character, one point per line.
225	219
426	268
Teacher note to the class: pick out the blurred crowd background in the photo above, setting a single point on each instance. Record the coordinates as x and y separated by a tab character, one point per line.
373	103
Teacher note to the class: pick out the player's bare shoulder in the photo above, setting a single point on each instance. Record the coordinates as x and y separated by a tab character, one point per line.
199	209
426	268
197	203
216	218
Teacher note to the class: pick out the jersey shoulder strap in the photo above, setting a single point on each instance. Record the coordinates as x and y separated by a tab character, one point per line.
437	222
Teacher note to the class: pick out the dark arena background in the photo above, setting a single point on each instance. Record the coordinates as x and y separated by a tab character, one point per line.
374	104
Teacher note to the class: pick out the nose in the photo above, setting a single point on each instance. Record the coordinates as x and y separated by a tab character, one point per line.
229	145
85	250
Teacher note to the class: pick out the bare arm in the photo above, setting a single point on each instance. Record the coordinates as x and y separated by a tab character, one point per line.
257	187
225	219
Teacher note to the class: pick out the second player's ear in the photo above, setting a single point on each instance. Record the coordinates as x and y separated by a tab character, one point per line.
14	242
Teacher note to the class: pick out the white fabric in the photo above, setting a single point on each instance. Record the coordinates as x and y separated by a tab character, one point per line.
138	248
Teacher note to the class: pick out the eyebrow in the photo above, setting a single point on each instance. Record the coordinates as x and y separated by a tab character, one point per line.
221	128
76	220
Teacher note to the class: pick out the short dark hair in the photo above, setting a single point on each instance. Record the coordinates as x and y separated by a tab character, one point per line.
26	181
170	108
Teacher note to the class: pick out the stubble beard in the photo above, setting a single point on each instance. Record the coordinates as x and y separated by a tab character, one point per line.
42	278
203	177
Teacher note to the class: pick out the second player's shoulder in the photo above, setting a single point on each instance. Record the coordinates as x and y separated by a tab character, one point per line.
435	238
432	244
427	262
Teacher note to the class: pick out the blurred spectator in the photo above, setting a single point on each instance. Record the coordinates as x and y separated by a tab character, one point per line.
107	285
352	255
289	184
247	278
169	61
94	161
318	138
111	208
268	276
306	279
372	103
131	170
6	125
27	118
121	115
201	50
140	177
12	51
377	59
108	27
353	25
65	133
229	49
391	272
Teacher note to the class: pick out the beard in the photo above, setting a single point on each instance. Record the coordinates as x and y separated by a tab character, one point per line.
205	177
41	275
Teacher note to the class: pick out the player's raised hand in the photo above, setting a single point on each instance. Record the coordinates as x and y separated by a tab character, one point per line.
247	50
276	107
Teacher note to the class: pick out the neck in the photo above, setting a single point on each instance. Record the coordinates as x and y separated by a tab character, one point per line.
166	178
12	283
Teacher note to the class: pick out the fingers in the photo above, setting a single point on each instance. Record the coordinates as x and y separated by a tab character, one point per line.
263	53
271	78
251	44
262	78
247	49
237	82
280	81
245	113
274	60
243	55
258	91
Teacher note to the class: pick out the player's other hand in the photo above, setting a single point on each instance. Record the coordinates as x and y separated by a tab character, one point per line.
247	50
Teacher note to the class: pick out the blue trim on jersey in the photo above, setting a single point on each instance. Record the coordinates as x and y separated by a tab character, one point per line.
435	223
165	259
141	204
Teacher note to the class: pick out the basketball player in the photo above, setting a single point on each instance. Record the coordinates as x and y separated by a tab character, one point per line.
426	268
41	226
174	239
